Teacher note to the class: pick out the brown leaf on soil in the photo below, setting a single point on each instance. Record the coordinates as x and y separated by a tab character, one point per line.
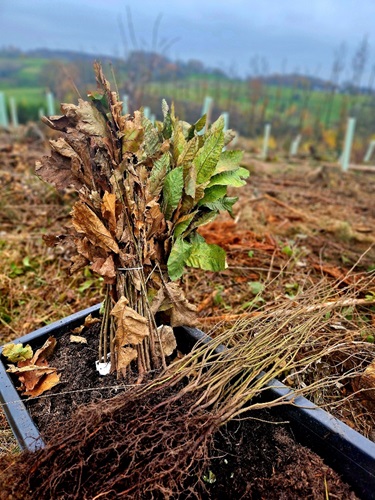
109	211
41	369
44	385
35	378
34	374
45	351
79	329
77	339
132	328
89	321
88	223
125	355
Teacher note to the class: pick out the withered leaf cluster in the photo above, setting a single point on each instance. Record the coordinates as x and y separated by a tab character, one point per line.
33	370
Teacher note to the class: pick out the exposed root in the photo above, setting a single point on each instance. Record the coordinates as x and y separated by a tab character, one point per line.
141	447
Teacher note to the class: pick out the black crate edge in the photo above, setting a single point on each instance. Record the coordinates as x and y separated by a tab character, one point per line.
344	449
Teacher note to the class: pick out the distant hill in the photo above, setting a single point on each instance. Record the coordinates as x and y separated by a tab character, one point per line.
23	68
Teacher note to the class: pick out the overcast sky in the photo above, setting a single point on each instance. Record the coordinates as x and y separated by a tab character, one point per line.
296	34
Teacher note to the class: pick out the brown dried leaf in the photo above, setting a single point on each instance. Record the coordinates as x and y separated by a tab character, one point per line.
45	351
155	220
41	369
89	321
125	355
158	300
85	221
77	339
79	329
52	240
168	341
104	267
32	378
182	312
45	384
78	262
109	211
34	374
132	328
87	118
56	170
89	250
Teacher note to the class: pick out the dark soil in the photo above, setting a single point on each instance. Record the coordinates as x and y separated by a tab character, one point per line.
80	382
262	460
254	458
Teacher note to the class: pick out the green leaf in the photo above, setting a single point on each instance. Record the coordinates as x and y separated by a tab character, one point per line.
229	160
218	125
179	143
190	180
16	352
203	219
207	257
177	258
182	224
213	193
201	123
234	178
172	191
158	173
197	127
225	203
256	287
208	156
190	150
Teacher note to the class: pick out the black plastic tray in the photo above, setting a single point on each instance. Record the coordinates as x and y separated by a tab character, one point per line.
345	450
